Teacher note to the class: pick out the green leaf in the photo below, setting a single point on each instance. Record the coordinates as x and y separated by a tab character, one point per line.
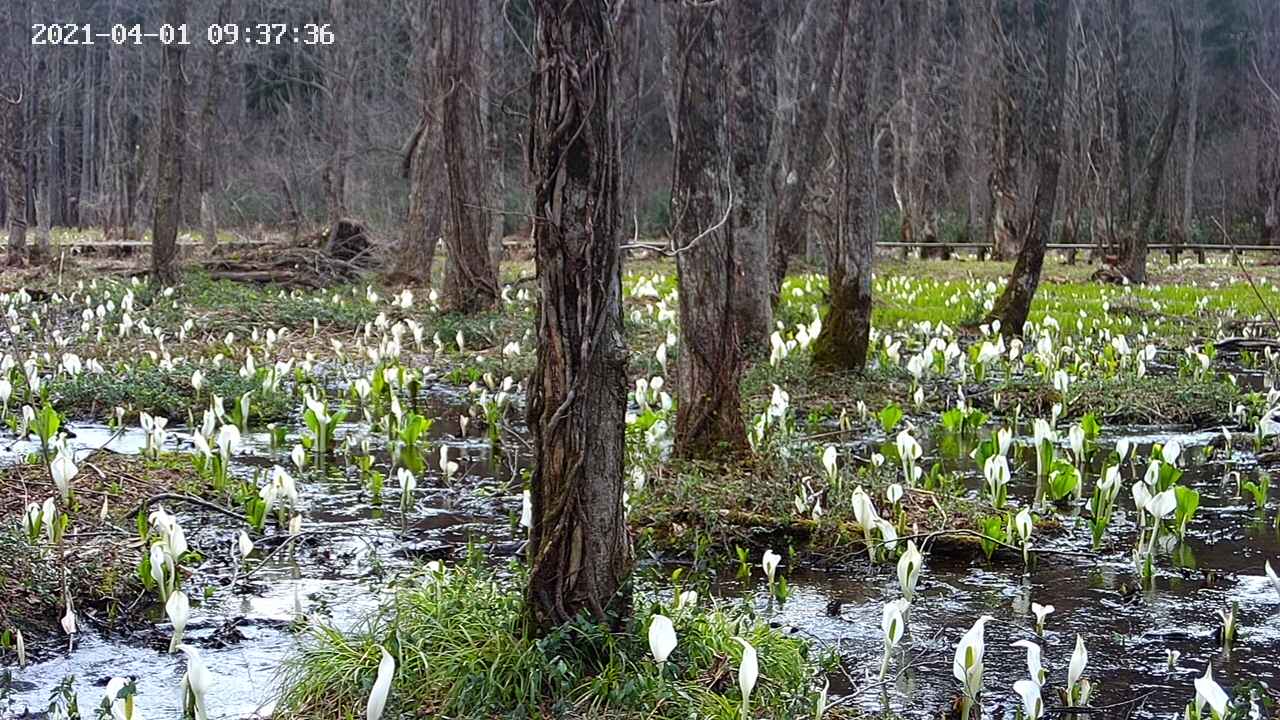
889	417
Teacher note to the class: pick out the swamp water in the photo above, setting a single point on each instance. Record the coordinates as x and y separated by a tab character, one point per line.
350	545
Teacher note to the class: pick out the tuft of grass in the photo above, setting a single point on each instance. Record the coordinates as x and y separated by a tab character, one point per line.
460	654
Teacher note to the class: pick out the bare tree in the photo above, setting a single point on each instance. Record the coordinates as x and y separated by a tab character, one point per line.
801	145
1134	261
169	138
207	167
339	105
842	344
709	416
470	275
1264	118
421	161
12	143
1193	122
1005	140
579	548
750	53
1014	303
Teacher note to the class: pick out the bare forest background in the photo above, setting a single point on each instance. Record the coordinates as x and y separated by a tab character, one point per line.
415	122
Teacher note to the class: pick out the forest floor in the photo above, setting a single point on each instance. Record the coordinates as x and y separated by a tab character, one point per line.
750	506
147	344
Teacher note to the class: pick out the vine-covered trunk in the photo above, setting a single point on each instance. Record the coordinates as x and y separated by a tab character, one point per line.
709	416
1014	303
169	139
579	548
470	275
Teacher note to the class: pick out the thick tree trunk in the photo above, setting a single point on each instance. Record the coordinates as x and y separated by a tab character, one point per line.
168	202
1134	262
751	76
470	276
709	416
579	547
806	148
842	344
1014	304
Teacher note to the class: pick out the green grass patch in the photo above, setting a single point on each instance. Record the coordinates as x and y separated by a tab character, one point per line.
460	654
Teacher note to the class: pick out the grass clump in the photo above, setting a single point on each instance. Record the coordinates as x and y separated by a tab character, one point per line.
460	653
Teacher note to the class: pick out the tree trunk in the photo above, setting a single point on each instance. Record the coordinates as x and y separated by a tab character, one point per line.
43	130
169	136
709	416
1014	304
842	344
470	277
1134	262
806	146
751	105
1003	230
338	107
1193	121
208	126
13	168
420	163
579	548
1122	16
489	62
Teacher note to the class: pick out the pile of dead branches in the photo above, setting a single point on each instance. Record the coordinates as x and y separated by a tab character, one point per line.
342	254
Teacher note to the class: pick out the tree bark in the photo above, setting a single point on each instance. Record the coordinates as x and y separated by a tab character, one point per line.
338	105
805	148
751	106
208	163
493	166
1193	122
1122	17
842	344
1002	216
13	97
709	416
421	162
470	276
1134	262
1014	304
579	547
169	137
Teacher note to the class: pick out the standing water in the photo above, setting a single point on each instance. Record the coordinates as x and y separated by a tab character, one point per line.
351	547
